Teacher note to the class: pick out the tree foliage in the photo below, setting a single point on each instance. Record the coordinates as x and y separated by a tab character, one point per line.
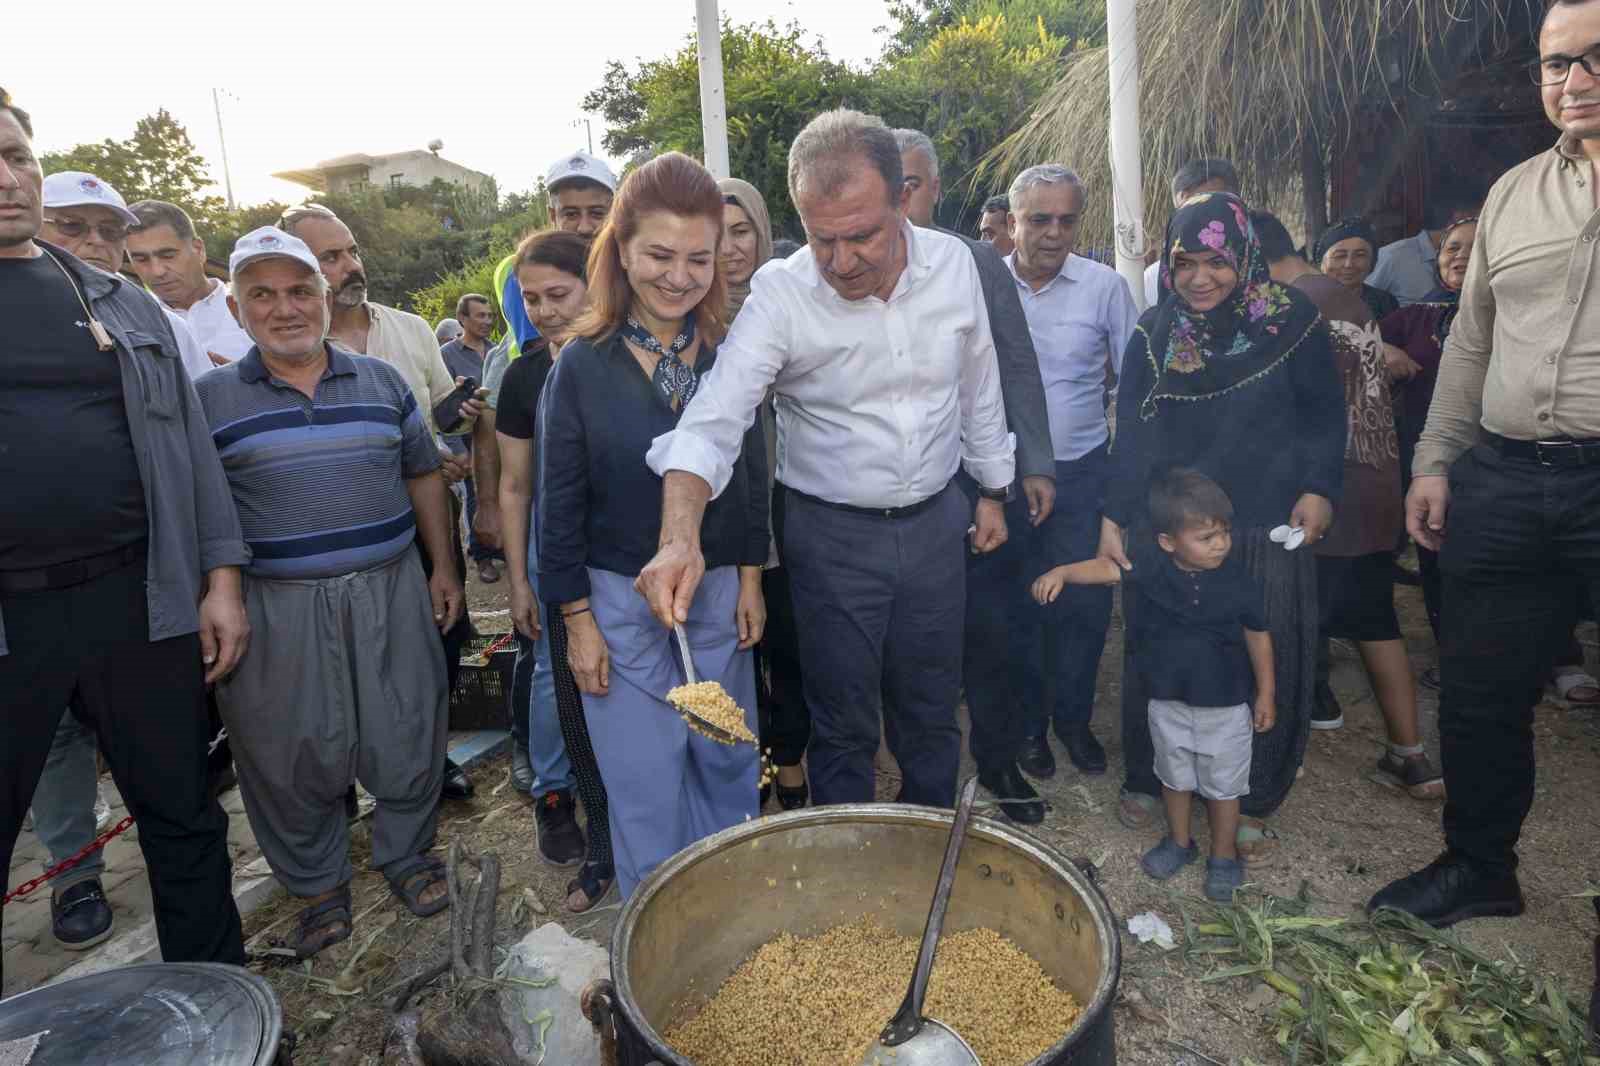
963	71
159	162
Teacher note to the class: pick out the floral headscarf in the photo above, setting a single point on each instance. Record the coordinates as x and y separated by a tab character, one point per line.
1199	355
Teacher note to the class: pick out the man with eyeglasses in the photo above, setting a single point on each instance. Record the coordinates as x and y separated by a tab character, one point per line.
1509	467
171	260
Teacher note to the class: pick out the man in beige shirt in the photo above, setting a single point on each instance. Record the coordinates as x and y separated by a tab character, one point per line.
1507	478
407	343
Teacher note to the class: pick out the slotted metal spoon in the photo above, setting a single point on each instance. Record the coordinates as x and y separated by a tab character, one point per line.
710	728
910	1039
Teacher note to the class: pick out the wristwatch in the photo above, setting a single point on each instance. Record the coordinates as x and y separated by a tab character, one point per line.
1004	495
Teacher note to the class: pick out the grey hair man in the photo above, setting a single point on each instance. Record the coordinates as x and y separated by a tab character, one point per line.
122	596
170	258
446	331
352	683
407	343
993	661
919	166
1081	316
1195	178
992	226
875	344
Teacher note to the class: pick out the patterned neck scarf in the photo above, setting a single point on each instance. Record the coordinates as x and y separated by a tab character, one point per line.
672	375
1200	355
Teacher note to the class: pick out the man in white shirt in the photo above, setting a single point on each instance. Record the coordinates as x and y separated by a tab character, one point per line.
875	343
1081	315
1195	178
90	219
171	261
1408	269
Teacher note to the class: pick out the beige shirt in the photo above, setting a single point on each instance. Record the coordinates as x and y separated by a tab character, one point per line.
1523	357
407	343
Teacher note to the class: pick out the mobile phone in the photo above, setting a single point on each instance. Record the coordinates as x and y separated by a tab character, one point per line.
448	413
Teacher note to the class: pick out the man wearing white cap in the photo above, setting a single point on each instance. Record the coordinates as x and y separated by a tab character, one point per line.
90	219
171	260
334	474
120	598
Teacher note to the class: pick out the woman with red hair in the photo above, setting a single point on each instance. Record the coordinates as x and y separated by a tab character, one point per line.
657	310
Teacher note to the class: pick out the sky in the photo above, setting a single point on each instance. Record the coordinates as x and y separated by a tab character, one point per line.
500	83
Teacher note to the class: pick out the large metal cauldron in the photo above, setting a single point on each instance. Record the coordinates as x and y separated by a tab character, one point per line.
707	909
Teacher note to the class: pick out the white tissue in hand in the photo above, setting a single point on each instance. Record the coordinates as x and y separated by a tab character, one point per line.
1279	534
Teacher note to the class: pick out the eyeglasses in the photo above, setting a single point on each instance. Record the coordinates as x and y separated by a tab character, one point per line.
1554	69
110	232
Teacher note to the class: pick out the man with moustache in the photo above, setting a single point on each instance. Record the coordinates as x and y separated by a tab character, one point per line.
992	226
407	343
347	678
998	627
171	260
1506	478
876	345
119	599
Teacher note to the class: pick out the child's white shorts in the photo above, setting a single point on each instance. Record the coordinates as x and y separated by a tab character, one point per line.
1202	749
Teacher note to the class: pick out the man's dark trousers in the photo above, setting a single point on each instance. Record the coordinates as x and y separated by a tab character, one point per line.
1059	685
879	605
1518	531
86	647
1001	632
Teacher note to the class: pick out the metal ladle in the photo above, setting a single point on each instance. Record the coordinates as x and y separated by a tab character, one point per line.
910	1039
705	725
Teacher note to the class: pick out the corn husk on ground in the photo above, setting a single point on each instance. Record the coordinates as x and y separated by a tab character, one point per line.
1389	991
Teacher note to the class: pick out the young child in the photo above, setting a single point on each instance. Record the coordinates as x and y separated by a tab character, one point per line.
1204	649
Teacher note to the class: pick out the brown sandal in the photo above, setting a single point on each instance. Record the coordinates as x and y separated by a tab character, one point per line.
322	925
415	876
590	887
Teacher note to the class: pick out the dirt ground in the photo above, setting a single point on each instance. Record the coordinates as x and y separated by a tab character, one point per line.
1343	836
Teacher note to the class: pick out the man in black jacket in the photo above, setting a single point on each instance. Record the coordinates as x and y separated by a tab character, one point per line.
997	630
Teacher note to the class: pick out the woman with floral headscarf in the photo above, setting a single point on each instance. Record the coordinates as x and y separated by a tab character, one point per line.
1235	376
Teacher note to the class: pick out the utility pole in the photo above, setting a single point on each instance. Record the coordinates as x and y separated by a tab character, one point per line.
713	101
588	128
227	176
1127	173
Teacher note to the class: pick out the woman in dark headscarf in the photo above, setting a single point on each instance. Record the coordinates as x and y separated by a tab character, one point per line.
1347	251
1234	375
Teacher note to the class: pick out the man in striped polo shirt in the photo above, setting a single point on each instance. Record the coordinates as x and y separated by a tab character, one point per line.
334	474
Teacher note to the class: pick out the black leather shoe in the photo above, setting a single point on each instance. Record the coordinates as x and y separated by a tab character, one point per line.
456	784
521	768
1449	890
1084	750
80	917
1036	759
1018	800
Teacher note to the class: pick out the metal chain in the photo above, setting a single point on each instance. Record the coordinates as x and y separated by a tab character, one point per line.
67	864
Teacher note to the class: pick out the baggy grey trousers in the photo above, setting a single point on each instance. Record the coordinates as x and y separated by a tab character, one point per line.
344	680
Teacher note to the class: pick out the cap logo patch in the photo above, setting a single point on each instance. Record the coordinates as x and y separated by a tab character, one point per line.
268	241
89	185
578	163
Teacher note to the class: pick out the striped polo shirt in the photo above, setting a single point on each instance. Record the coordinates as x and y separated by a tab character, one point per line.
320	484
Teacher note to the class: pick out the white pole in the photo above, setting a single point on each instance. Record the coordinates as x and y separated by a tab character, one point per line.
1127	175
227	175
713	105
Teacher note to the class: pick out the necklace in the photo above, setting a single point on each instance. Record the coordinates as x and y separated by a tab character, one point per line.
672	375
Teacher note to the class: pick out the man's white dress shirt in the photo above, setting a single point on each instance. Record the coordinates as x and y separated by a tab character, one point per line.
214	326
195	359
877	401
1081	318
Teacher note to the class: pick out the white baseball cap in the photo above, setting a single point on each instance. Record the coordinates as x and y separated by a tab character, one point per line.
268	242
75	188
580	165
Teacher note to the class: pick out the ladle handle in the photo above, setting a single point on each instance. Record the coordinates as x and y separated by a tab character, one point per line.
908	1019
683	646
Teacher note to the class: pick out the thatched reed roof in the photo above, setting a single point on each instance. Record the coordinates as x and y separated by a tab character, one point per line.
1254	81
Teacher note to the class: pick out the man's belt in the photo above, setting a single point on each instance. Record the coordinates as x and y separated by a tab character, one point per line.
1561	451
871	512
65	575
